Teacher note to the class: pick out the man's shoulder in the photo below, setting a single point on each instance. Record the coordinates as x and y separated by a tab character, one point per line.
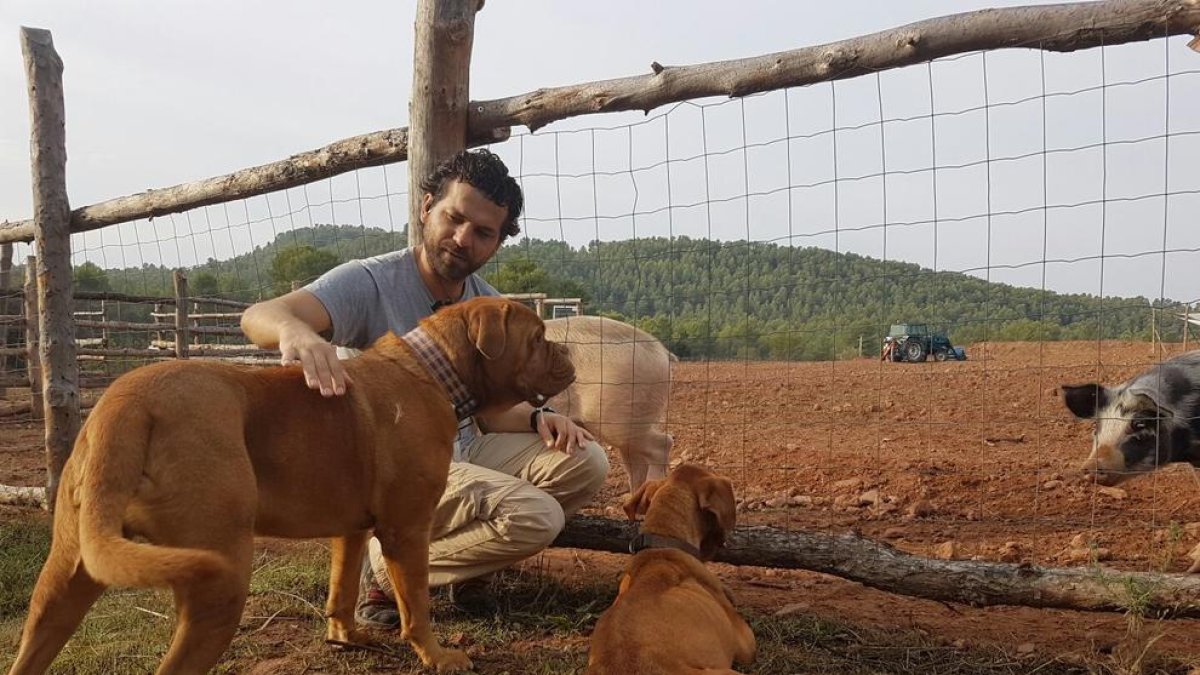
393	266
387	259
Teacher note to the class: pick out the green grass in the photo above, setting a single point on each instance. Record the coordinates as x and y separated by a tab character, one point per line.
23	546
542	629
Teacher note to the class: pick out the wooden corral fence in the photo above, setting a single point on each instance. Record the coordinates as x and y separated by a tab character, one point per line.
196	327
444	120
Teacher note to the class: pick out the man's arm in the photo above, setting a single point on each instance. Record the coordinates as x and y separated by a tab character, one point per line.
558	431
294	323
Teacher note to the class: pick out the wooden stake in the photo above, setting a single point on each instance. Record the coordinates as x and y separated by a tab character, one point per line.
33	359
437	113
52	236
181	314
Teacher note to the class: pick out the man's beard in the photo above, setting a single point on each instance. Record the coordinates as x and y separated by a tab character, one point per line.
449	266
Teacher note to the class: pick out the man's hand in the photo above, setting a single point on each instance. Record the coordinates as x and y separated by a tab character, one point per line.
293	323
323	370
559	431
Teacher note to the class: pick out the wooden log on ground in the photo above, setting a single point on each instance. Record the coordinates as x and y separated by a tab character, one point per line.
878	565
23	496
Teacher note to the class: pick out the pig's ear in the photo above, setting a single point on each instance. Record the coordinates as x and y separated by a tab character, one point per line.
638	503
1084	400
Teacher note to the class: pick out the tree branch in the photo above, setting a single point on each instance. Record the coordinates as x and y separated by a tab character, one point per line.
880	566
358	152
1060	28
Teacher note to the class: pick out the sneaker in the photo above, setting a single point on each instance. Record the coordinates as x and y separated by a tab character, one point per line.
473	596
375	609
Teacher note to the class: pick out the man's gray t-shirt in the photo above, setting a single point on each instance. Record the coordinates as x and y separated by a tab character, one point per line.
367	298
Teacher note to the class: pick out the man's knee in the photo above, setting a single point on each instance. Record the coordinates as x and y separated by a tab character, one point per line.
536	520
593	467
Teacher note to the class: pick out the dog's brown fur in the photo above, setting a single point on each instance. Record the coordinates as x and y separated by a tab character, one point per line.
671	614
180	464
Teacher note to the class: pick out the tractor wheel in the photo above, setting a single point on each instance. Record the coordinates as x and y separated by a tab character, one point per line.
939	355
914	351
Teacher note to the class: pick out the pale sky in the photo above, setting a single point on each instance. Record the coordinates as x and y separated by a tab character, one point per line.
160	93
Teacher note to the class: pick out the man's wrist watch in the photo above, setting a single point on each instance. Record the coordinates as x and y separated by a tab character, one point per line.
534	415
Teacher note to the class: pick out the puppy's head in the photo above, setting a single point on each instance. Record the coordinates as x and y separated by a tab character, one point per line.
638	503
690	487
503	352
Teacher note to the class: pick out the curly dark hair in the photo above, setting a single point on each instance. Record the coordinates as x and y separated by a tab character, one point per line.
484	171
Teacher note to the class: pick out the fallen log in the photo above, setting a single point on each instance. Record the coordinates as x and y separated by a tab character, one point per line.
877	565
12	495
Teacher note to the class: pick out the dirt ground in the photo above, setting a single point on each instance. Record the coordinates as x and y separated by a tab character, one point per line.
971	459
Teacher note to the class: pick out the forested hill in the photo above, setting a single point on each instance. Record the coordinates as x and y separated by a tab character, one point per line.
767	300
721	299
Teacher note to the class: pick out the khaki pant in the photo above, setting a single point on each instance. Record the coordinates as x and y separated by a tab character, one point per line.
507	501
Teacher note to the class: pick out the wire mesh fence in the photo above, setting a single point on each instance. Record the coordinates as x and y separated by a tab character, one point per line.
1033	207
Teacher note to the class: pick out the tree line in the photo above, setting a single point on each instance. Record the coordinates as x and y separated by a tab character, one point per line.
705	299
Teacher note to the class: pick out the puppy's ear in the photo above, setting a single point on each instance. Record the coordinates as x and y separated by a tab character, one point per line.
487	326
638	503
1085	400
719	511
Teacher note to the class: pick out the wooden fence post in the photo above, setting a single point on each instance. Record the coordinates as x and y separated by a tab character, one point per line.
52	236
437	112
33	362
8	332
181	315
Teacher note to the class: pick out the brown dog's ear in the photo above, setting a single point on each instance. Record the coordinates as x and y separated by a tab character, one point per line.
487	326
638	503
715	495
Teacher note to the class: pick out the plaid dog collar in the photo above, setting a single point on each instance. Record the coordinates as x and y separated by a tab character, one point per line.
435	361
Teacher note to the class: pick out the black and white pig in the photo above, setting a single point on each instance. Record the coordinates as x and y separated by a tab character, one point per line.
1145	423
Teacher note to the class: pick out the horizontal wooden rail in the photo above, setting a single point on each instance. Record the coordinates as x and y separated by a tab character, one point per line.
1061	27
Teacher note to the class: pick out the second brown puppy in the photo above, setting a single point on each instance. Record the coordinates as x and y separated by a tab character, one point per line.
672	615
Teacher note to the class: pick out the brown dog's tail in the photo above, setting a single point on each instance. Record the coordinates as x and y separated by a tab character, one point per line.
113	454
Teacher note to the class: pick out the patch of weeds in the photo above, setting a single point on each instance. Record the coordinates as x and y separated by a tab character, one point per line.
1135	653
1174	537
795	643
24	544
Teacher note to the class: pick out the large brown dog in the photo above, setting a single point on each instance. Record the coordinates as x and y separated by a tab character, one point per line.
671	614
181	464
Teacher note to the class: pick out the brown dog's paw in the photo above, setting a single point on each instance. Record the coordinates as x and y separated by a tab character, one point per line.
346	638
450	661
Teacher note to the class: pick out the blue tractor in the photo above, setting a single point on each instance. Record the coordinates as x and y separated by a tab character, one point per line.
915	342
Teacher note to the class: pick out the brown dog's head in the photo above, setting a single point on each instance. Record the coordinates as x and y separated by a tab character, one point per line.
499	348
691	503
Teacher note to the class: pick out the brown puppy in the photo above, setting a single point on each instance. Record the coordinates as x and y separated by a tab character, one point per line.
671	614
180	464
